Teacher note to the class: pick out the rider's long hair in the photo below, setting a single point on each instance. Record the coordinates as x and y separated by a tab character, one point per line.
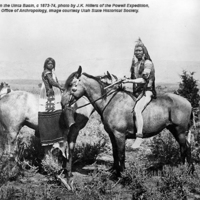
52	60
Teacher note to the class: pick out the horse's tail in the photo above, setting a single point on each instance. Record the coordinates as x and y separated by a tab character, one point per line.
192	119
190	124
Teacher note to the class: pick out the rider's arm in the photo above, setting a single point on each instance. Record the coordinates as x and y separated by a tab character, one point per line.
145	74
147	70
52	82
137	80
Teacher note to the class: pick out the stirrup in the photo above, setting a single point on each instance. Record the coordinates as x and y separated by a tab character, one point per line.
139	135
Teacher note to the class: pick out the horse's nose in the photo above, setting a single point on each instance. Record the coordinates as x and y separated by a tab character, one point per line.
74	89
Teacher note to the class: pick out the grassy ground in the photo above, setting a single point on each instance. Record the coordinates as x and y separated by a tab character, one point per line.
152	172
143	178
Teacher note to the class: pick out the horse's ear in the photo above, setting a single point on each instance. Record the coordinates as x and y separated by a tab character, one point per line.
115	77
109	76
79	71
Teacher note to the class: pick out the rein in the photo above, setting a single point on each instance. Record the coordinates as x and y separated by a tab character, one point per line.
107	93
95	100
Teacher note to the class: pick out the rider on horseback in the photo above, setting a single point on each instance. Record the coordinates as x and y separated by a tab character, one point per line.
49	77
143	77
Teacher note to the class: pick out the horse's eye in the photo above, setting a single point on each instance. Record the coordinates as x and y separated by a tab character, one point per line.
69	85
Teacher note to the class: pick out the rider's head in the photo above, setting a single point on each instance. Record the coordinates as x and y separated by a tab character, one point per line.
49	64
141	54
140	51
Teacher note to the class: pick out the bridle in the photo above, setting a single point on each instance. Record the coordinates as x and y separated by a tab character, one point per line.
107	93
76	99
71	99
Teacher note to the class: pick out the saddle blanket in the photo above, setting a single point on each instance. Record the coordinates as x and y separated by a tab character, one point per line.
51	128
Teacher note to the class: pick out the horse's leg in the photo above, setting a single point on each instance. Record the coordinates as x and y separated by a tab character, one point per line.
186	152
71	139
120	141
118	144
67	164
11	141
115	166
11	150
180	135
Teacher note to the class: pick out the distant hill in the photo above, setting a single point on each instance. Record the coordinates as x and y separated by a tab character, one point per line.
170	71
21	81
24	84
33	85
166	71
166	87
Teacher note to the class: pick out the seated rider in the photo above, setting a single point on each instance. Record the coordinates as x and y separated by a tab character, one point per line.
49	77
50	130
143	77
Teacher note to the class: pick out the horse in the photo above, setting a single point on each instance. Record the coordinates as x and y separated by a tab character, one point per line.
20	108
115	107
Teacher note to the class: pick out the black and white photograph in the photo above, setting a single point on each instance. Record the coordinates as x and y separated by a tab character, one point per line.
100	100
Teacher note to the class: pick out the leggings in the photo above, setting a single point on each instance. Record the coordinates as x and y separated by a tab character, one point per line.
139	107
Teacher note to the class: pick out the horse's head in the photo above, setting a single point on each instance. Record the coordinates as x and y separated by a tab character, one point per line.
73	91
4	89
73	88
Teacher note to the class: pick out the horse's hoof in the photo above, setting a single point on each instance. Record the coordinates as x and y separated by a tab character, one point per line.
191	169
114	176
70	182
67	182
111	169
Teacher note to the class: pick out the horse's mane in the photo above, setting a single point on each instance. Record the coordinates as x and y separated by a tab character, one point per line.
103	84
69	80
98	79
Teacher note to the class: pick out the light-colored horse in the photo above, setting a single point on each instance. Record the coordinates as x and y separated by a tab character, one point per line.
20	108
115	108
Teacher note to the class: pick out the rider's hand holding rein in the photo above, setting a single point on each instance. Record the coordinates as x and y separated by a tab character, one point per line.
137	80
61	88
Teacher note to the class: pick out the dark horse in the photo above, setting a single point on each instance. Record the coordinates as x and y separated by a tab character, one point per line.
115	108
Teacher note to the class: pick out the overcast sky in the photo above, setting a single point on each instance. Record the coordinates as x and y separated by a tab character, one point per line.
102	42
